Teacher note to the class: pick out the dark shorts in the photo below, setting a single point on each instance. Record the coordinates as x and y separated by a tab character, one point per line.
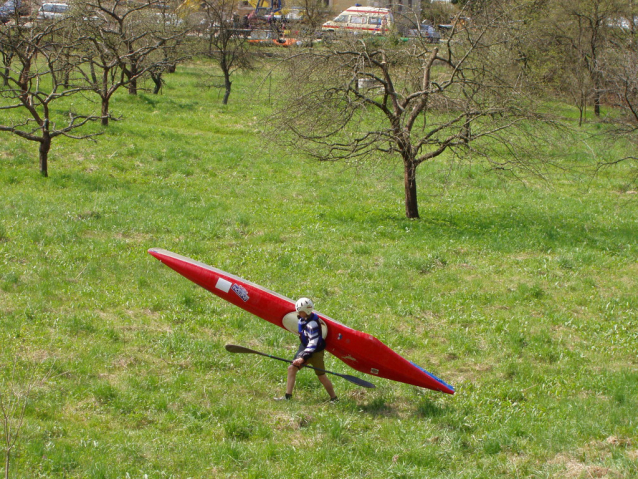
315	360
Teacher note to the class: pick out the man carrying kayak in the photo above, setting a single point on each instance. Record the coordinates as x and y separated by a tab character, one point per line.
311	349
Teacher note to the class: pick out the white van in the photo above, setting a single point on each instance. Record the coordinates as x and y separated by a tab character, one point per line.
373	20
51	11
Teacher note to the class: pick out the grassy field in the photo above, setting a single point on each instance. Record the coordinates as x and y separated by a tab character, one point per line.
523	295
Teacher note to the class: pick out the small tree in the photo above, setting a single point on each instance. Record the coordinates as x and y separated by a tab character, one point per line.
36	77
225	41
367	98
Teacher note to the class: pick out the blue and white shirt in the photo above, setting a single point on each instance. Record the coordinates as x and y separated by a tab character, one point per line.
310	335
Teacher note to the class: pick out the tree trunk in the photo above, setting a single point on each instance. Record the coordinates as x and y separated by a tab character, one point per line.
467	130
409	173
132	87
157	80
5	76
105	112
6	61
227	85
132	76
45	146
597	104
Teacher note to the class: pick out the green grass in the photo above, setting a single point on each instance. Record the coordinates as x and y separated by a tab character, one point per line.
521	295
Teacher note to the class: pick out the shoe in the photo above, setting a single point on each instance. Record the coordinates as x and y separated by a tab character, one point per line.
334	399
287	397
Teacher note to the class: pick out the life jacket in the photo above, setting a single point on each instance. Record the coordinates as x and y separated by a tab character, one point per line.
311	338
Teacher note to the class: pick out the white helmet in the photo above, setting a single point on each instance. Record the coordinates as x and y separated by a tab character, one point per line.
305	305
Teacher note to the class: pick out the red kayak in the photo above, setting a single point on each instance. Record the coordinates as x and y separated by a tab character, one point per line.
360	351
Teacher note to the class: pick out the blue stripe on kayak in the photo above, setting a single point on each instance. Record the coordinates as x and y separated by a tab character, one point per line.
433	376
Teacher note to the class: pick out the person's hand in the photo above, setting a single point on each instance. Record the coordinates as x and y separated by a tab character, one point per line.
298	362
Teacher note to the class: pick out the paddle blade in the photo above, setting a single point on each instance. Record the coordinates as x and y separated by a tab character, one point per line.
233	348
356	380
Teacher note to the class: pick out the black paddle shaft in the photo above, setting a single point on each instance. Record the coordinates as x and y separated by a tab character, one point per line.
232	348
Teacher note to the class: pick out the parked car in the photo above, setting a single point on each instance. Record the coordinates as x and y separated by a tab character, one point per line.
52	11
370	20
11	8
425	31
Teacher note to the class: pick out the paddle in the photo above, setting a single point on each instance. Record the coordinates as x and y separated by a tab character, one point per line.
240	349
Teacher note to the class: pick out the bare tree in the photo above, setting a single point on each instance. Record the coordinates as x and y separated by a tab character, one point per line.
620	68
620	65
33	80
102	70
367	98
314	13
6	54
225	40
123	42
438	12
571	40
127	34
173	50
585	38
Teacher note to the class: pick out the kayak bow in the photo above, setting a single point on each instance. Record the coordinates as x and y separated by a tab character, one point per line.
361	351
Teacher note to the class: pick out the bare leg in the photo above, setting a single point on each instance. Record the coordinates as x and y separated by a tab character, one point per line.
292	375
325	380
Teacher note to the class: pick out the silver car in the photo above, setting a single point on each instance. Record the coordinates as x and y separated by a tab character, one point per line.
425	31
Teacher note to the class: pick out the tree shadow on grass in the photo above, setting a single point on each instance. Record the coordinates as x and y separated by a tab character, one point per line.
427	408
378	406
509	228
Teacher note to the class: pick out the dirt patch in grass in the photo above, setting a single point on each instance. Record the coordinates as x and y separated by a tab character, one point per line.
358	395
124	362
293	422
616	441
298	440
136	314
574	469
469	373
599	451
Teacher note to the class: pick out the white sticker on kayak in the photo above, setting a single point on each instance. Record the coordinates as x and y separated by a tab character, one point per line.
240	291
374	371
223	285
